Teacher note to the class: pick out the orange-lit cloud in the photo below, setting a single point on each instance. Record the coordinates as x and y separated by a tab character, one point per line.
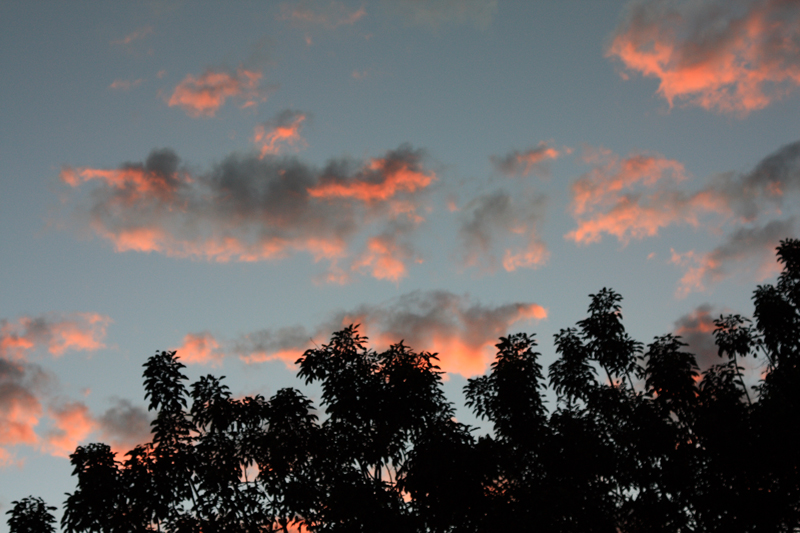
494	219
752	247
135	35
635	197
384	258
251	209
73	423
57	333
200	348
523	163
463	333
328	15
281	132
20	409
202	96
732	57
379	180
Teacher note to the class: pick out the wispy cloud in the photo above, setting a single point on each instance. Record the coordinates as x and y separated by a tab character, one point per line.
732	57
281	132
252	209
490	221
329	15
202	96
436	13
516	163
135	35
740	250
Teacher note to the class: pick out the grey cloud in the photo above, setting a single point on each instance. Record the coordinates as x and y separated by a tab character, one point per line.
696	329
492	218
125	425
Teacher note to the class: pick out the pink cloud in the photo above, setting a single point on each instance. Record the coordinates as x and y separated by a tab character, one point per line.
73	424
20	409
724	56
384	258
284	131
200	348
57	333
637	196
749	247
380	180
202	96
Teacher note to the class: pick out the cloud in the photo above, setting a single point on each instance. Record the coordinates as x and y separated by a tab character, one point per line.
202	96
696	329
282	131
328	15
731	57
200	348
610	198
635	197
435	13
741	248
125	85
494	217
251	209
124	425
141	33
73	424
57	333
517	163
384	258
463	333
20	408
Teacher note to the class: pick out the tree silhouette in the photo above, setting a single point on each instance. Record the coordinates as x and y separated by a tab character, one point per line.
637	440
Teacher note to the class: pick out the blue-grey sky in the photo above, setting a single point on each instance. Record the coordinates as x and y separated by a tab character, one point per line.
238	180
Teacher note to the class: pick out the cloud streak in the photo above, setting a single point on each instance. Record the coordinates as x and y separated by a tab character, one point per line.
730	57
516	163
252	209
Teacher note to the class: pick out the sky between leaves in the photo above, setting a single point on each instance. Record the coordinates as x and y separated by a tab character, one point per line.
239	181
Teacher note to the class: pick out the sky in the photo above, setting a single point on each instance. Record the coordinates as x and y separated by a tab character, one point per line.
236	181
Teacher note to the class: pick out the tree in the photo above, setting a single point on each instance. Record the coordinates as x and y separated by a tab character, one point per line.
638	440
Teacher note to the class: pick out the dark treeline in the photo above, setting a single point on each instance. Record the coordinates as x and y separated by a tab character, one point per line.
639	440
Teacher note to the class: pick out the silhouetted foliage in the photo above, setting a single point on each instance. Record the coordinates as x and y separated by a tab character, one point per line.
648	445
31	515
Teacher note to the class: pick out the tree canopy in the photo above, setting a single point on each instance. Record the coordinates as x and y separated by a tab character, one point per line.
639	439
